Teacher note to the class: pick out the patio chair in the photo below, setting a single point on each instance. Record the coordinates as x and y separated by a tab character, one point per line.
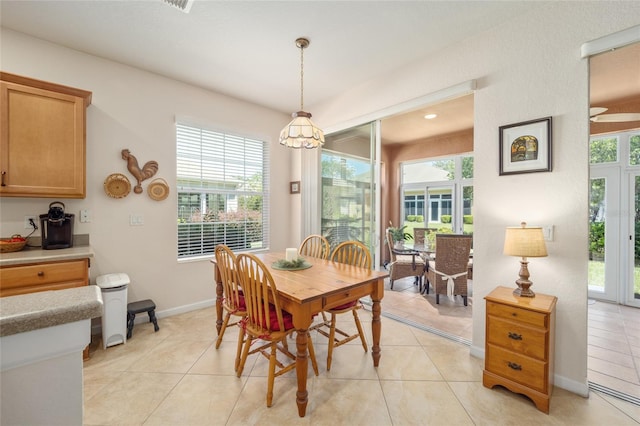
448	272
233	298
404	265
419	235
265	321
352	253
315	246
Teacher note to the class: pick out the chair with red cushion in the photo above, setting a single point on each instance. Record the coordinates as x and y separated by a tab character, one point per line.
233	297
266	321
356	254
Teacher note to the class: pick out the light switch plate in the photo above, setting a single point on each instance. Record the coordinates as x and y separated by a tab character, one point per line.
547	231
85	216
136	220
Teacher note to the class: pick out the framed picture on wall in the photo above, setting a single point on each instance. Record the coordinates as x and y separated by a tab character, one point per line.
525	147
294	187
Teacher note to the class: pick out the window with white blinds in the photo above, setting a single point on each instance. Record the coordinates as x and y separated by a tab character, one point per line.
223	191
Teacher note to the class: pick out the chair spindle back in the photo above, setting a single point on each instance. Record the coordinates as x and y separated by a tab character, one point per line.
315	246
225	260
352	253
259	291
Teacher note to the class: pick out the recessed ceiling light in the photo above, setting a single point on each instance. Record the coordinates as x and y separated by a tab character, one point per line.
183	5
430	116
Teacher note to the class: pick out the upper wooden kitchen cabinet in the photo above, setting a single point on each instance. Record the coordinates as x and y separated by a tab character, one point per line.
43	138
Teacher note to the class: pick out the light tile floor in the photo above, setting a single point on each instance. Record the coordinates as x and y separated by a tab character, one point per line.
177	377
614	347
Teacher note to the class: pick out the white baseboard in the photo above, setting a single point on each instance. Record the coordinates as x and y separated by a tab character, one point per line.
184	309
477	351
578	388
96	327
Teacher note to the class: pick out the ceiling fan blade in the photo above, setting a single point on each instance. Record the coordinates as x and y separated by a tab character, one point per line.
596	110
615	118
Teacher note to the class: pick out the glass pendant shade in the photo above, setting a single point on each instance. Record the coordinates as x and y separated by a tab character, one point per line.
301	132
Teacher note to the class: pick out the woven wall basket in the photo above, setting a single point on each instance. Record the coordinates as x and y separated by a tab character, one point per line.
117	185
158	189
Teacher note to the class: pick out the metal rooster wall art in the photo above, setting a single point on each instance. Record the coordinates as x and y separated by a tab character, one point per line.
149	169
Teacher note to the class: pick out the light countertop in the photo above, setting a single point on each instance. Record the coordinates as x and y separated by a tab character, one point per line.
28	255
27	312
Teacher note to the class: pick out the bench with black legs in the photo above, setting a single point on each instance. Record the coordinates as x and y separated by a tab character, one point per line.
134	308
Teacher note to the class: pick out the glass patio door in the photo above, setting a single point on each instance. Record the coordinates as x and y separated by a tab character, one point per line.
348	187
633	242
440	208
604	223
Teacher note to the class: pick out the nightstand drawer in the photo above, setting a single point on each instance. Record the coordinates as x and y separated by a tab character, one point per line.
516	337
537	319
521	369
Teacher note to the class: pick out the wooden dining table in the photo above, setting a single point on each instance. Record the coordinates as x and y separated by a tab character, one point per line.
306	292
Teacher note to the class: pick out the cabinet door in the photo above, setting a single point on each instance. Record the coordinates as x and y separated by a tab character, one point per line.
42	143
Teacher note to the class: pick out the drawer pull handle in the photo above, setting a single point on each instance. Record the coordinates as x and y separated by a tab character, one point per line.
515	336
40	274
514	314
3	175
514	366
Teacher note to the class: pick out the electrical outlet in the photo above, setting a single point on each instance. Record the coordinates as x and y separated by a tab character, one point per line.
27	223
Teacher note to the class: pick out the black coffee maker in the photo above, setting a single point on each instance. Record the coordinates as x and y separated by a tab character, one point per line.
56	227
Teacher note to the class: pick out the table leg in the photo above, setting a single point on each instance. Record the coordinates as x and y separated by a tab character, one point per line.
376	324
302	362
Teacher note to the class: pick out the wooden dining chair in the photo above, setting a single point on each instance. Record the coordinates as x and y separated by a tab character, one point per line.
448	272
352	253
233	302
265	321
315	246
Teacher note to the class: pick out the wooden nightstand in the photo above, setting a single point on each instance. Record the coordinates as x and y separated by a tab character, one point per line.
519	348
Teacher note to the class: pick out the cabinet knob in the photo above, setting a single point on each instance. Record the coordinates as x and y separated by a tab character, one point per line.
515	336
40	274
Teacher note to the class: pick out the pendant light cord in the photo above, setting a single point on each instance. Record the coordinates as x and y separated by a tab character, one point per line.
301	78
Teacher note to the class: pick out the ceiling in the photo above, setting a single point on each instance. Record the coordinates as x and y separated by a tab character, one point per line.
246	49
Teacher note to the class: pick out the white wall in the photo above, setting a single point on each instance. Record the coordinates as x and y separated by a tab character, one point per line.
136	110
526	69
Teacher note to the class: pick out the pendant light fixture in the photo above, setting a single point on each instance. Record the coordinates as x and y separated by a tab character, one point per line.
301	132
